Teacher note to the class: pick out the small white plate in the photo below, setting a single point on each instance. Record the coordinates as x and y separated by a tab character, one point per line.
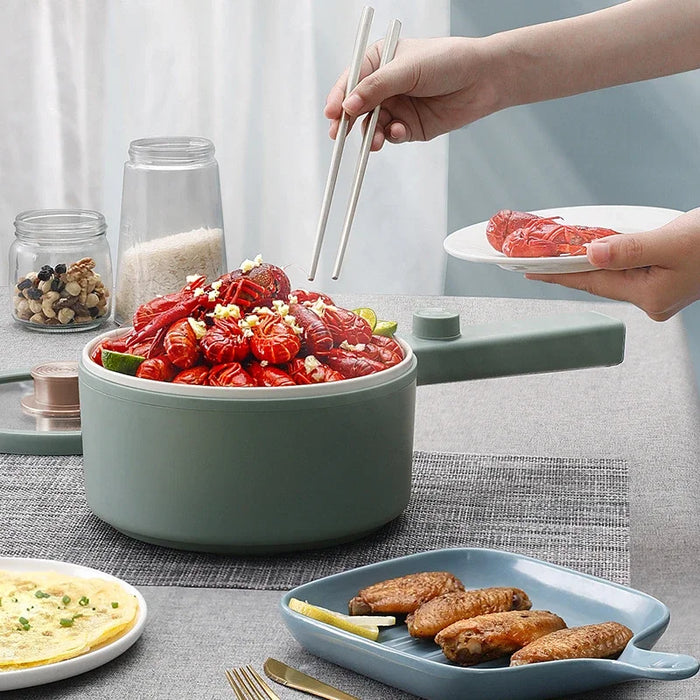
471	244
48	673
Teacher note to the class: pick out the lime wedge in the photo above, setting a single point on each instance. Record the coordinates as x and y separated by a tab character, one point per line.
332	618
367	314
386	328
121	361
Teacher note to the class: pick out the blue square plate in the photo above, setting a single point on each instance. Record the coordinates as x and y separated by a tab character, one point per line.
419	667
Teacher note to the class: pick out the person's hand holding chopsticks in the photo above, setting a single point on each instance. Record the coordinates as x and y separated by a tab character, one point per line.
436	85
431	87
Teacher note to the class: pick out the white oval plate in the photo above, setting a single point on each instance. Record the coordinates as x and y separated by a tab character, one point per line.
471	244
48	673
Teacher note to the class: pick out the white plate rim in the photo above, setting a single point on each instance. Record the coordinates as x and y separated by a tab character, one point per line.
59	670
459	245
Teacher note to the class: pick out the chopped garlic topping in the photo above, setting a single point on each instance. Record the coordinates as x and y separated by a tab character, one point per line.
311	363
248	265
319	307
229	311
346	346
191	278
246	324
249	321
199	327
198	292
264	363
212	296
280	307
292	323
216	284
293	299
263	311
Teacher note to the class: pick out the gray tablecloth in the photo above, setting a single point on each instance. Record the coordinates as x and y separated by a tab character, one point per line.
571	512
644	412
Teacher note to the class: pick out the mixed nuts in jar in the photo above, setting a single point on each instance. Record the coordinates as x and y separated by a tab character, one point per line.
69	293
61	268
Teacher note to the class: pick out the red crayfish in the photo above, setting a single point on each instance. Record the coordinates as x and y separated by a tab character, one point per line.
520	234
247	329
224	342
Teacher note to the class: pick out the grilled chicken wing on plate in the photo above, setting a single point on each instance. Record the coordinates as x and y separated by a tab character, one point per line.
438	613
485	637
602	641
404	594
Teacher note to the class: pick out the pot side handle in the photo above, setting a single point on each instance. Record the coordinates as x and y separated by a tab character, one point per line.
521	346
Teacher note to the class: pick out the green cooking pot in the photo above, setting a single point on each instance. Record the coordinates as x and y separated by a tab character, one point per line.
272	469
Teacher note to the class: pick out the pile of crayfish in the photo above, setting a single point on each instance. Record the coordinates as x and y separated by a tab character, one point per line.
519	234
249	328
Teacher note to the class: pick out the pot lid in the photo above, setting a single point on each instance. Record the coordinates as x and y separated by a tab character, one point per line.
38	411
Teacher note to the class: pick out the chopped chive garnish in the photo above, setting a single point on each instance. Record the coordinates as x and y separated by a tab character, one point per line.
23	621
84	601
68	621
115	605
41	594
65	600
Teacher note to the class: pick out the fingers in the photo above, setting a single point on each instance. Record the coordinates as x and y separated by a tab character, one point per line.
398	132
619	285
395	78
632	250
334	109
651	289
655	270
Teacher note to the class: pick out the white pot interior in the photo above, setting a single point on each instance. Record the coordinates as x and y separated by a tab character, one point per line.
307	390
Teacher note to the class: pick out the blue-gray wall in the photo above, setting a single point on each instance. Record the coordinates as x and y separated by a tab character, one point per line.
633	144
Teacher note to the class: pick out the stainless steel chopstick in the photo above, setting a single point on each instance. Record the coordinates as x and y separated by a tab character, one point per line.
358	55
388	51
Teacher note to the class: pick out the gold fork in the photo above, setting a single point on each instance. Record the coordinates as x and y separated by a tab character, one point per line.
247	684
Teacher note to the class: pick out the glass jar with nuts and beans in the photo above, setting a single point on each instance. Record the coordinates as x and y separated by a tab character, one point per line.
61	268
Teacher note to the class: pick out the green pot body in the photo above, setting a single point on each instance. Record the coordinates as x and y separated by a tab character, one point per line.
213	474
274	469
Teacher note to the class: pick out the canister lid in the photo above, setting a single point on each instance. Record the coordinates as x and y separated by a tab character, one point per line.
436	323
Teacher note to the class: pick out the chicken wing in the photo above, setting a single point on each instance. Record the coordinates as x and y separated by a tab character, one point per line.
438	613
404	594
604	640
485	637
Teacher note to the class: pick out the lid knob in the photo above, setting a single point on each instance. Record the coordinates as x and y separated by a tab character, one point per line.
435	323
55	390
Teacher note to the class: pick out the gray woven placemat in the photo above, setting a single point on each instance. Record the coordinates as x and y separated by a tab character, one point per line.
568	511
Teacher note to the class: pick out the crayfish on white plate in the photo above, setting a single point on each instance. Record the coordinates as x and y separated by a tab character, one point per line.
519	234
249	328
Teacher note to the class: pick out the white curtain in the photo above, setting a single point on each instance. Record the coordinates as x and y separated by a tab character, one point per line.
81	79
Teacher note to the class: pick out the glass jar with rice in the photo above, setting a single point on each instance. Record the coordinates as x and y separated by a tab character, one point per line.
61	268
171	220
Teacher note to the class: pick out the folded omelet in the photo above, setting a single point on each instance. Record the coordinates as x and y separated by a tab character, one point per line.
47	616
